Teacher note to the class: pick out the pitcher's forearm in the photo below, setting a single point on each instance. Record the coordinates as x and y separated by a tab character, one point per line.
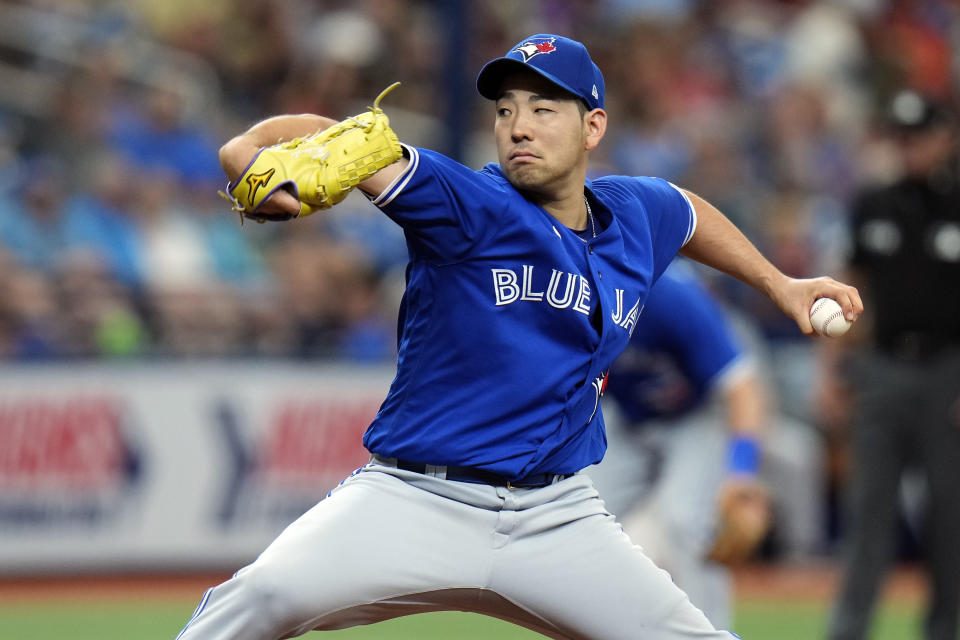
747	408
718	243
238	151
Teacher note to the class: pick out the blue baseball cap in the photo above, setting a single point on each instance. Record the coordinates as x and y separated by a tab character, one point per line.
564	62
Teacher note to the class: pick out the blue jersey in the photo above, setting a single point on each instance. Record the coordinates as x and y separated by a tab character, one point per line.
510	320
682	346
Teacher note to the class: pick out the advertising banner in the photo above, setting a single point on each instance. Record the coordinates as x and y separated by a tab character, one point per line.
174	466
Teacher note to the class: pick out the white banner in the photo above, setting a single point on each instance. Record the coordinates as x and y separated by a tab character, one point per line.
174	466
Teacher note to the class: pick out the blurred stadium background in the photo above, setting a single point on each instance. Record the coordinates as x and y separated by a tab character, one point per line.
175	388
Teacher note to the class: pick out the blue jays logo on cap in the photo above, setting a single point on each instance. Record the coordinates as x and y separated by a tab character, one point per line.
564	62
536	47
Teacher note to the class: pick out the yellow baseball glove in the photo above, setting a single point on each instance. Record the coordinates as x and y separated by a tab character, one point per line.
320	169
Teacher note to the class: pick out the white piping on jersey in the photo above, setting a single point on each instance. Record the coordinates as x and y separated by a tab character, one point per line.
398	183
692	226
742	366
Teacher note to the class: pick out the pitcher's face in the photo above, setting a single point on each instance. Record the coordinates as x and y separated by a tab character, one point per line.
540	133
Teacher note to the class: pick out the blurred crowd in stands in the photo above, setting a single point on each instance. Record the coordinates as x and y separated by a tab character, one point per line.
115	244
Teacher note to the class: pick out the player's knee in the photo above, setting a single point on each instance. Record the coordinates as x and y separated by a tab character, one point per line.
251	604
265	592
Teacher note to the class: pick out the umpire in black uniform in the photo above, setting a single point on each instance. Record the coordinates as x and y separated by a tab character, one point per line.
905	375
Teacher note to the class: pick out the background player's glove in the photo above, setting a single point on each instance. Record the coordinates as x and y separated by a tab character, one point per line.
319	170
743	519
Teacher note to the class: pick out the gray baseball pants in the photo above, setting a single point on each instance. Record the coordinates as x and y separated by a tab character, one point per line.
389	542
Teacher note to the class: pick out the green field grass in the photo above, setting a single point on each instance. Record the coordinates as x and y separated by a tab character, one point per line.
161	620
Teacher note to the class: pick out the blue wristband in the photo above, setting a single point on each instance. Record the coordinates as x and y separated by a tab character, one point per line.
744	455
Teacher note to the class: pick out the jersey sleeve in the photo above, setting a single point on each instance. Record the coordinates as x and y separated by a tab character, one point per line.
444	207
670	214
699	334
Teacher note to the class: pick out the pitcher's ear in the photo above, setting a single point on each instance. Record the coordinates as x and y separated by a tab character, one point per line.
595	125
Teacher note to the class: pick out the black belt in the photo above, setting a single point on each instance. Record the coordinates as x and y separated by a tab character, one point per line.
477	476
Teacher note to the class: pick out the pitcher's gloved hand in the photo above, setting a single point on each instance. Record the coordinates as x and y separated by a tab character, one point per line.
318	170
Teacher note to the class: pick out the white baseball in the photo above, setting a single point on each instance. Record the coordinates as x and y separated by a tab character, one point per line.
827	319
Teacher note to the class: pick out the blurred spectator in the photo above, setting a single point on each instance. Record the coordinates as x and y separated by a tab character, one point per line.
368	333
826	50
234	251
173	251
32	222
80	109
653	138
912	46
801	150
752	35
904	373
99	317
197	322
29	311
194	314
251	75
102	219
11	163
157	138
355	222
759	105
329	293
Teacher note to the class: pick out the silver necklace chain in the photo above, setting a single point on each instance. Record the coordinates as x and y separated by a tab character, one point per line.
593	224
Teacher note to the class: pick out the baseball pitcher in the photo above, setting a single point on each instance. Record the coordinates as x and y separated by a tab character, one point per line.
525	281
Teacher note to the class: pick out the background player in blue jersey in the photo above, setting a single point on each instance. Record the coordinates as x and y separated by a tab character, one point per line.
685	429
525	281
